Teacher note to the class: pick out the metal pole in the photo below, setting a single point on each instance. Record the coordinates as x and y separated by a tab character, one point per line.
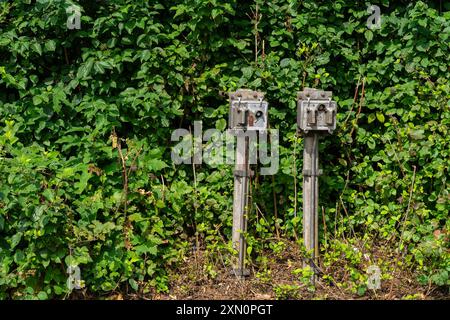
248	114
316	114
240	205
310	198
316	174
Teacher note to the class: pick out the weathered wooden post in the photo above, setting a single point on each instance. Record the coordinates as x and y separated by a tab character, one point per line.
248	114
316	115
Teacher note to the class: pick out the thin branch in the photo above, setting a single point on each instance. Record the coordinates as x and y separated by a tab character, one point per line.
403	229
124	174
361	100
396	157
409	206
324	225
355	97
275	207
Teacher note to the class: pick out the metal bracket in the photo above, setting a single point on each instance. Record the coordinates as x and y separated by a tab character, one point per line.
244	173
309	173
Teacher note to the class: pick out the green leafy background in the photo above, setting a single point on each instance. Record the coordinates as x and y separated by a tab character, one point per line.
137	70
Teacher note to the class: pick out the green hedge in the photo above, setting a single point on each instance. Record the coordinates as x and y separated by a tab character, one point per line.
70	100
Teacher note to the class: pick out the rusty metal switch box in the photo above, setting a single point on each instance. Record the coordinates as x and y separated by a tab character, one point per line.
316	111
248	110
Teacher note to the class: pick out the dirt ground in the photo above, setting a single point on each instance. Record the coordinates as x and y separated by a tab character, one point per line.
201	277
192	282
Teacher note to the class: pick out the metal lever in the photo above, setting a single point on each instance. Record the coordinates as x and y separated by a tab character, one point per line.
329	116
311	116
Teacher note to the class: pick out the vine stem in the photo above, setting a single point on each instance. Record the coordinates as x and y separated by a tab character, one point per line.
275	207
355	97
257	19
403	226
408	207
197	242
361	101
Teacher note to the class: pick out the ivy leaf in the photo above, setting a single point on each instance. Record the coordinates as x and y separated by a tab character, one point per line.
417	134
42	295
285	62
216	12
256	83
371	143
50	45
380	117
85	69
82	184
247	72
361	290
221	124
48	194
36	47
15	239
143	248
368	34
133	284
37	100
156	164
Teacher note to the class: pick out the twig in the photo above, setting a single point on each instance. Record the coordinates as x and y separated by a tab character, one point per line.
323	273
262	215
355	97
124	174
263	55
335	219
257	19
361	100
409	205
346	213
396	157
66	55
403	229
338	204
133	163
164	188
324	225
197	242
275	206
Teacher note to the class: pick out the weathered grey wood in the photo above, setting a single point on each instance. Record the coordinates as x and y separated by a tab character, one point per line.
247	115
307	190
310	197
316	114
316	197
240	203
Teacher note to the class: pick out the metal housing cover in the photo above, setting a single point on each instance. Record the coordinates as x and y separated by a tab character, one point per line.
248	111
316	111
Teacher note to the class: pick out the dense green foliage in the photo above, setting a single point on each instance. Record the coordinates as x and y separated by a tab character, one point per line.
86	118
